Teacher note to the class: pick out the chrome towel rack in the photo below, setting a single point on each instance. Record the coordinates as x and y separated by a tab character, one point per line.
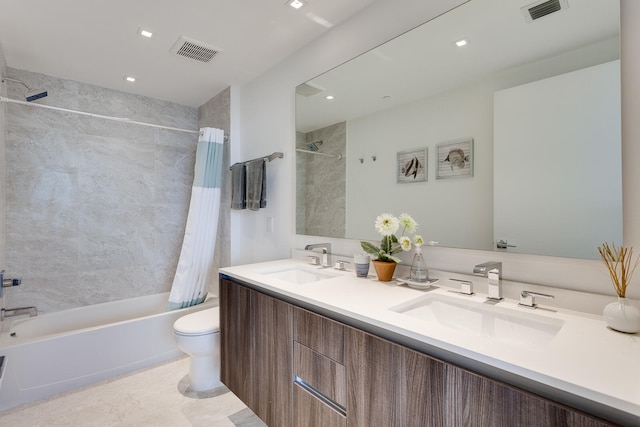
273	156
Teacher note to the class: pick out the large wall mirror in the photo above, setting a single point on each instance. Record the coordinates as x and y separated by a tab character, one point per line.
510	142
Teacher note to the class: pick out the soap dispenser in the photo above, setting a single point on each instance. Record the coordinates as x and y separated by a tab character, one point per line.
419	270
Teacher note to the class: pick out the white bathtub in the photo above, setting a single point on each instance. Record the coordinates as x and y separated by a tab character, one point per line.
64	350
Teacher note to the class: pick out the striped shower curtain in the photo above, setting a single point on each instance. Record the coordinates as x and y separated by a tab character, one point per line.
195	266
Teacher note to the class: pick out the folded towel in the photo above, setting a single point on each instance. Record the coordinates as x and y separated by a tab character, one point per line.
256	185
238	186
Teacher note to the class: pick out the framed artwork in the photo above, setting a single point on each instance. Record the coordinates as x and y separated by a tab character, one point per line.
454	159
412	166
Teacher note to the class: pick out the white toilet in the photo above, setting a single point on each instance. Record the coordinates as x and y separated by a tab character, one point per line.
198	335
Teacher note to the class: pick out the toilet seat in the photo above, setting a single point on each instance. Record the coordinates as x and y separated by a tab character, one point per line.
202	322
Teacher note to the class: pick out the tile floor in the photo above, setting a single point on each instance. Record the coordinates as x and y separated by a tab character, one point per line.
156	396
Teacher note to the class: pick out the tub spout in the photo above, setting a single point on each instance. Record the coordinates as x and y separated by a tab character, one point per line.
19	311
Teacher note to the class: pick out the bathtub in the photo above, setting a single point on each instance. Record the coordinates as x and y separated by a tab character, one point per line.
52	353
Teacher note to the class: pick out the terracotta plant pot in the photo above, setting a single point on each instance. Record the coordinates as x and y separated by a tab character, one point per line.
384	270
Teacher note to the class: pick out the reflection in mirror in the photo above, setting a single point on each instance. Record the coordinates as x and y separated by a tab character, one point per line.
538	98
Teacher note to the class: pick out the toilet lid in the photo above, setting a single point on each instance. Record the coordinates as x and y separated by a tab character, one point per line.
198	323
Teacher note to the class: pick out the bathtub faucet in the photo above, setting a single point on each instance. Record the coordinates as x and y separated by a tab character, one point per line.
7	283
11	312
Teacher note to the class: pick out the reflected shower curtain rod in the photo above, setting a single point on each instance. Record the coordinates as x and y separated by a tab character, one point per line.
335	156
99	116
273	156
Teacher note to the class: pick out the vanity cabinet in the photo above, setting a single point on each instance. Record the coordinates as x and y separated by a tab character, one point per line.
319	374
391	385
292	366
256	351
472	399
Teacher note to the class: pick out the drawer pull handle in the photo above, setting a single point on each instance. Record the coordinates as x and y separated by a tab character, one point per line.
334	405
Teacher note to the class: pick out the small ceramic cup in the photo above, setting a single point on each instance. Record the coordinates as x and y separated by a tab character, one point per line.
361	262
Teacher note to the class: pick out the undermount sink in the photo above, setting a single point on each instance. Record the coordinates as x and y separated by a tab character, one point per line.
509	326
299	275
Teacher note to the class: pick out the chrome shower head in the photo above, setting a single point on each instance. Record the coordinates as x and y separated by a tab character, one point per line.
36	94
314	146
32	95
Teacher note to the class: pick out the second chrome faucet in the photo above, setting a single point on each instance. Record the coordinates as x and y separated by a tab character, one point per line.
326	252
493	271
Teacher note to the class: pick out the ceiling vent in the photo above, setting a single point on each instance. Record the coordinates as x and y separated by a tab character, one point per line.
308	89
543	8
193	49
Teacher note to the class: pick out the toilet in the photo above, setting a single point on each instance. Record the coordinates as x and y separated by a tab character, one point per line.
198	335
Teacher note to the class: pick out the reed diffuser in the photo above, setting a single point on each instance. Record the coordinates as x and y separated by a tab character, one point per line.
618	262
620	315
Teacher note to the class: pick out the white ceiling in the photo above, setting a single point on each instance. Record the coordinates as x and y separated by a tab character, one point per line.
425	61
96	42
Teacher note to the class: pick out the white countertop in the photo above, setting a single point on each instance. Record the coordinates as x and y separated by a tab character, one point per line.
585	358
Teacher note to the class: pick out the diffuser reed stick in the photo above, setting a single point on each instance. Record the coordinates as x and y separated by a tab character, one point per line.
618	262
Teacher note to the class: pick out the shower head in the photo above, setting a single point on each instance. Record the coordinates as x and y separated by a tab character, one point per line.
36	94
313	146
32	95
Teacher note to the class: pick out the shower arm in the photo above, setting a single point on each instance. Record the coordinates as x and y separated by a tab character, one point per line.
9	79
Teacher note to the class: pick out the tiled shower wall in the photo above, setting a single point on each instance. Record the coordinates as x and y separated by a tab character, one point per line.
320	179
216	113
95	209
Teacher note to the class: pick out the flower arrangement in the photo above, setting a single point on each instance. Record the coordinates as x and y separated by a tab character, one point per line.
618	262
387	225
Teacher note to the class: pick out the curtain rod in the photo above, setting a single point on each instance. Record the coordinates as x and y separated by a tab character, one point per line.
335	156
273	156
99	116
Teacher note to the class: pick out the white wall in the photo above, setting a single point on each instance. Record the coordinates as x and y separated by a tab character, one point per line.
263	118
263	121
559	139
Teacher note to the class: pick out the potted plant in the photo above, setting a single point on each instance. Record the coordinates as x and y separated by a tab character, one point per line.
388	225
620	315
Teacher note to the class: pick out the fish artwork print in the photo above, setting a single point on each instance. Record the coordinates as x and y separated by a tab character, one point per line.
456	158
412	167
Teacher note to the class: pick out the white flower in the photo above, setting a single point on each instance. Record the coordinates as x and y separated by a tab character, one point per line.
418	240
405	243
387	224
408	223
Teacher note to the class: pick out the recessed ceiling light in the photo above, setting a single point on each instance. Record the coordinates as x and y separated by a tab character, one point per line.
329	97
130	79
296	4
461	42
145	33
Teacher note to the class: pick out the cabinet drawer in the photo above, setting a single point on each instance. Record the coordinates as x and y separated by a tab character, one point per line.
310	411
319	334
320	373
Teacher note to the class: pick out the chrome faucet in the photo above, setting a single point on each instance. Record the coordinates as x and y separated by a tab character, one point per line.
326	252
493	271
7	283
19	311
528	298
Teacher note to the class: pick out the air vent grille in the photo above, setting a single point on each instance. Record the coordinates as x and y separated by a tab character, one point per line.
193	49
308	89
540	9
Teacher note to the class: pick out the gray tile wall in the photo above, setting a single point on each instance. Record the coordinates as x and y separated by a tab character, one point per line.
321	179
216	113
96	209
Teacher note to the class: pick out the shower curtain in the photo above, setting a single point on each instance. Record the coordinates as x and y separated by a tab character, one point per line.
195	266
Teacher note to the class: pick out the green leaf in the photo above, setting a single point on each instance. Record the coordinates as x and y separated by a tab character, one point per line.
370	249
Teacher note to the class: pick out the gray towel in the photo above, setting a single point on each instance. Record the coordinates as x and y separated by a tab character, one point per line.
256	185
238	186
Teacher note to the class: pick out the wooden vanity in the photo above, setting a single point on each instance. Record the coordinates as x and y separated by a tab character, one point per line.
296	364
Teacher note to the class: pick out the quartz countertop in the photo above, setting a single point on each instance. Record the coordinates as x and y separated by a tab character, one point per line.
585	364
